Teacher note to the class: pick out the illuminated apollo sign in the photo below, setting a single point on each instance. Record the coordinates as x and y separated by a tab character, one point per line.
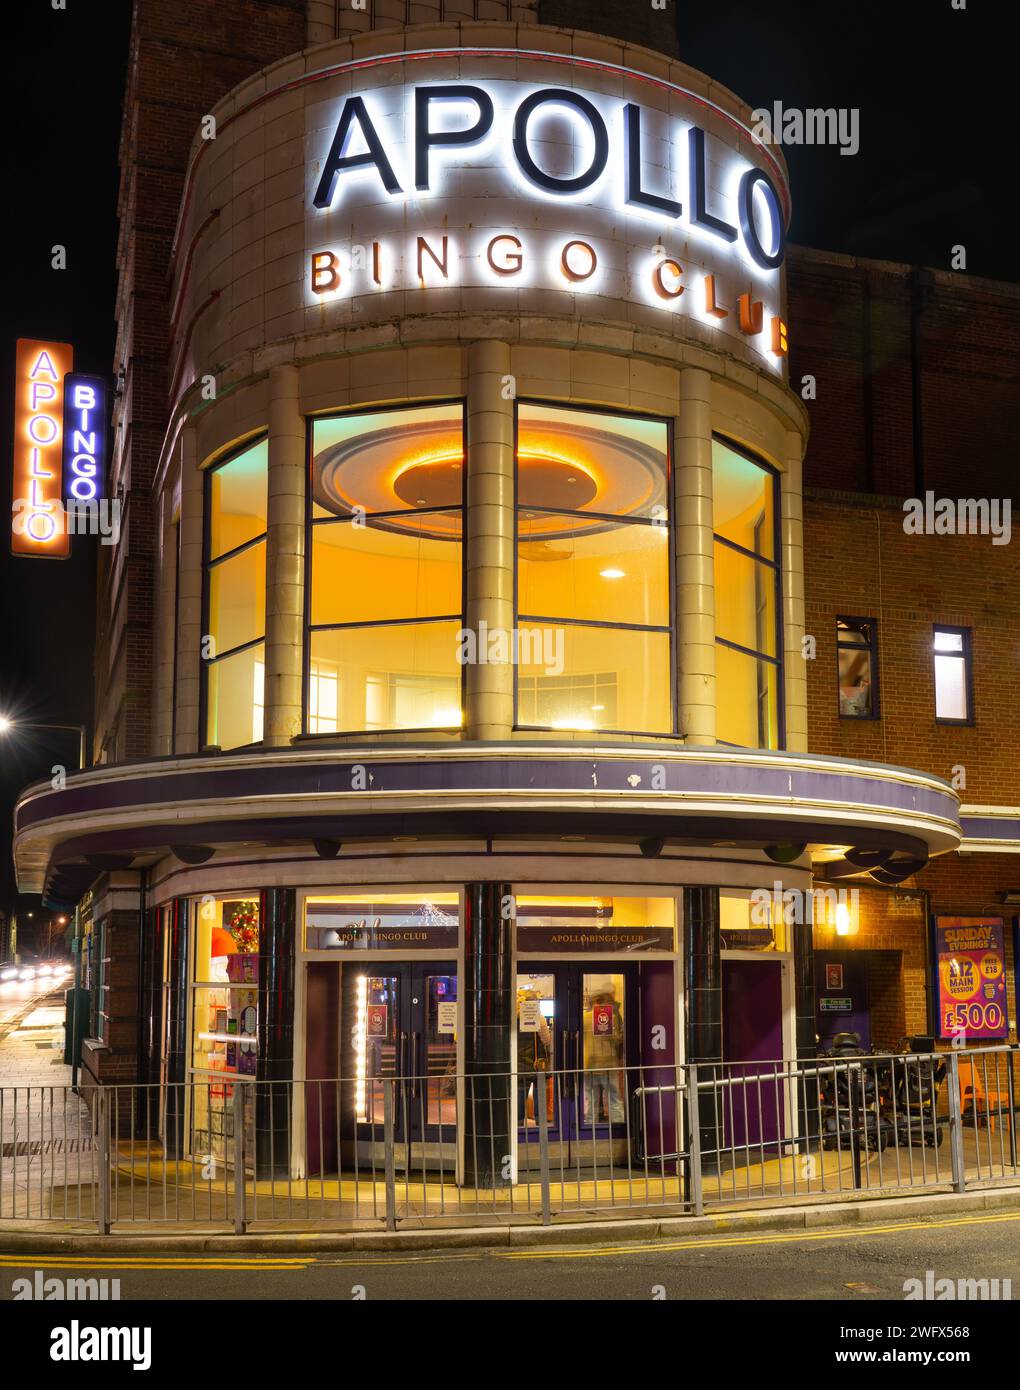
84	437
494	183
38	525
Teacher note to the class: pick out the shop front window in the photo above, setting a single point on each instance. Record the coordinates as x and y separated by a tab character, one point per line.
412	920
594	597
385	600
233	654
224	1016
749	699
594	924
758	919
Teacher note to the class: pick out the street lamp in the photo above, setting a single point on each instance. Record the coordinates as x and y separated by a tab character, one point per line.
7	725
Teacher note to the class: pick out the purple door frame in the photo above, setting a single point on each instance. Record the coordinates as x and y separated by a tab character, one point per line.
752	1009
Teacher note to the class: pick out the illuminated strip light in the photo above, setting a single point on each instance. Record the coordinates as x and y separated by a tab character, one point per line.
360	1045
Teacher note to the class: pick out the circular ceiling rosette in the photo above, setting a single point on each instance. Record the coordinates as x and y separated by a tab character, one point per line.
407	466
568	474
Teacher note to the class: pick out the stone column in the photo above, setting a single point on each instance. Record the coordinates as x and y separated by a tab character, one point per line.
489	712
695	603
489	1016
703	1006
285	559
793	595
166	607
804	987
187	735
275	1052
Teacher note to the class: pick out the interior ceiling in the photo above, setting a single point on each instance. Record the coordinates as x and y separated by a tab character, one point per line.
566	465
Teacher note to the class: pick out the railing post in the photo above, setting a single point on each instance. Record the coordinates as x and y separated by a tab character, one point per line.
103	1193
956	1124
543	1139
695	1194
240	1223
388	1147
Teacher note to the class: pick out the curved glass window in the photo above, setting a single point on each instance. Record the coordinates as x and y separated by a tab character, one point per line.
594	596
749	706
385	592
235	598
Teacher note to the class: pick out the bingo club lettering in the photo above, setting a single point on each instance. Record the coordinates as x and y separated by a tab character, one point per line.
749	221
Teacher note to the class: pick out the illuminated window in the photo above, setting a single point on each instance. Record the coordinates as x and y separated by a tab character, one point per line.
385	599
594	600
749	700
953	696
224	1016
235	599
323	685
857	667
551	922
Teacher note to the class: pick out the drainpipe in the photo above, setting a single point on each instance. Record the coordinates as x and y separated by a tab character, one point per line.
76	948
867	386
920	280
144	967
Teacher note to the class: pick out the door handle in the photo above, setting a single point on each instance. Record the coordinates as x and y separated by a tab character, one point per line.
414	1064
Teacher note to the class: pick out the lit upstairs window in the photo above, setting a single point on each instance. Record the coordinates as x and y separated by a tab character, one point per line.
749	672
233	660
954	701
857	667
385	600
594	603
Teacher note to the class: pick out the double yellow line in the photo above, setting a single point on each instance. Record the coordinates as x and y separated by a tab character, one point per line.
166	1262
854	1231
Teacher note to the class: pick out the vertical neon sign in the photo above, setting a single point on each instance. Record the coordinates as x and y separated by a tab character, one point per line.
37	521
84	449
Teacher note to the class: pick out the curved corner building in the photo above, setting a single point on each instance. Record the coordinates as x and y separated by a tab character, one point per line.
455	652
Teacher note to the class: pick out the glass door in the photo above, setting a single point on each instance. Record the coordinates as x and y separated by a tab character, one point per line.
399	1022
574	1040
603	1007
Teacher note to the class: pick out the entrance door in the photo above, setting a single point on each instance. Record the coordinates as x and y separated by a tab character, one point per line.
576	1035
841	988
752	1036
398	1025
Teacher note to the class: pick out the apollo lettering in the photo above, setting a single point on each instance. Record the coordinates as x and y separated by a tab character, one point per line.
445	120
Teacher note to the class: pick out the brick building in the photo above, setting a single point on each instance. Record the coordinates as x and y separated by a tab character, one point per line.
299	793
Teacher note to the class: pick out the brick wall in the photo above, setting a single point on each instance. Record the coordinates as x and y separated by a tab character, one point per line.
894	924
859	562
631	20
858	327
184	55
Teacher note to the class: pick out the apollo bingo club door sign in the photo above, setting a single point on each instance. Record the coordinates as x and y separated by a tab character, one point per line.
970	978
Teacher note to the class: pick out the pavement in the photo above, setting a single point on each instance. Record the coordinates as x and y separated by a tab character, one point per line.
850	1262
47	1187
45	1138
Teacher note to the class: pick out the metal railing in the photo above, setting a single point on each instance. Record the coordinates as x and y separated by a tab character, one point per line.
233	1153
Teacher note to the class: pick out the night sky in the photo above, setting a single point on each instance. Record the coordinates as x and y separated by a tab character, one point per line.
934	87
